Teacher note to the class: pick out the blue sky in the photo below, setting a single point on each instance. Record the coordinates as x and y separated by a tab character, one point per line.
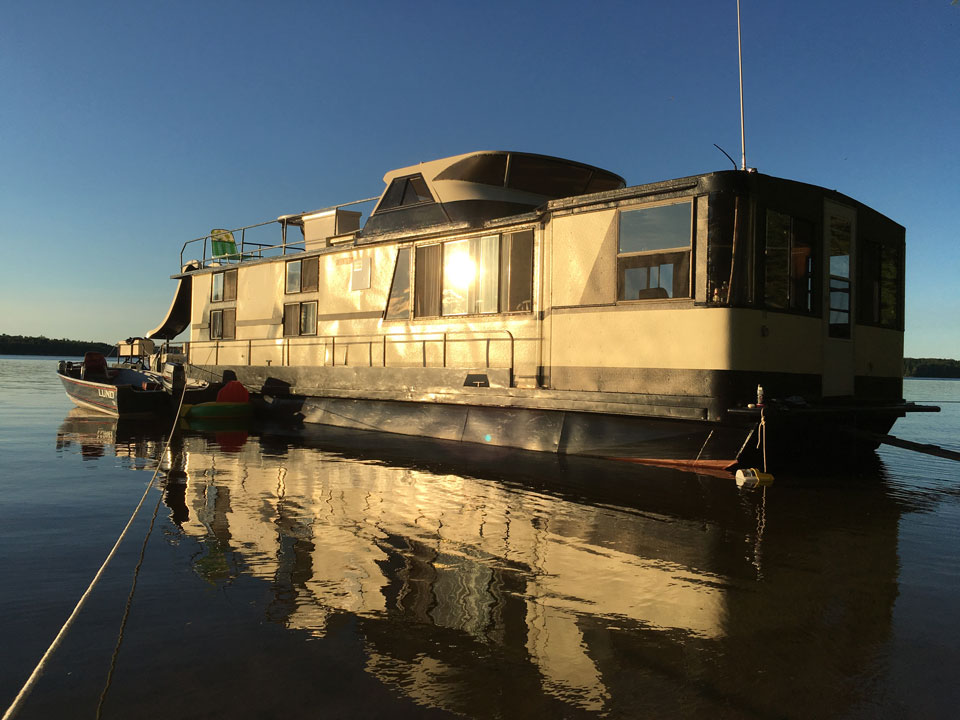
128	128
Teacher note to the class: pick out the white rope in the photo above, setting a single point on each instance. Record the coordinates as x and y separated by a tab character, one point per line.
38	670
762	436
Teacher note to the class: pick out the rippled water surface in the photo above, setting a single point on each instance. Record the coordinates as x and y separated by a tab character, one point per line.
357	575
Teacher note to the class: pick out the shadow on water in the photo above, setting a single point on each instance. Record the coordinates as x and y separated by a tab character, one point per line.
491	582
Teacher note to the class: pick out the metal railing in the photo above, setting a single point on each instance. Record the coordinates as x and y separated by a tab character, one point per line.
248	249
436	349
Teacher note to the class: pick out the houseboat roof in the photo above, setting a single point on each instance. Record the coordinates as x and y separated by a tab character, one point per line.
476	187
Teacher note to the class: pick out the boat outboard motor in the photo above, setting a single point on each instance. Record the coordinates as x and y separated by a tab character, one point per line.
178	380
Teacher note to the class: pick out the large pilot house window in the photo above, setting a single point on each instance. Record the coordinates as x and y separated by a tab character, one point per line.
880	294
789	264
472	276
653	254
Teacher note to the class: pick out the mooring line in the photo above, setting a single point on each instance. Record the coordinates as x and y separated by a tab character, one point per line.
38	670
126	610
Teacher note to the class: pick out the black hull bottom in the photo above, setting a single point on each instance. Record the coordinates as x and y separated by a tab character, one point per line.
693	444
782	442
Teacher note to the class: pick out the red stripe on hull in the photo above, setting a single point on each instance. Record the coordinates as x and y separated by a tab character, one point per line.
717	468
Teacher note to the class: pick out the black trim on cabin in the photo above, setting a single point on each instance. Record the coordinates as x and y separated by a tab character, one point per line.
472	212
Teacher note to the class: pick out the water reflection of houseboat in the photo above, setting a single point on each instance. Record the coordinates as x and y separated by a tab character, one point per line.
450	578
512	299
101	435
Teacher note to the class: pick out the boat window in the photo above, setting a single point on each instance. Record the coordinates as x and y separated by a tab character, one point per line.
427	281
880	296
839	242
470	276
546	176
516	272
603	181
223	324
474	276
224	286
302	276
653	259
300	318
788	263
398	304
410	190
724	222
483	169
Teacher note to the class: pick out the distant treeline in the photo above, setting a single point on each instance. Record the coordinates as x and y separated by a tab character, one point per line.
931	368
23	345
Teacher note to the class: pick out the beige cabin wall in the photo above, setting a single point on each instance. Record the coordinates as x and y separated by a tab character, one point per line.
621	337
337	295
879	352
200	307
686	338
584	258
259	315
771	341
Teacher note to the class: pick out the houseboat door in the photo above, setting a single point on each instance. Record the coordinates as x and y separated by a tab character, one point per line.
839	240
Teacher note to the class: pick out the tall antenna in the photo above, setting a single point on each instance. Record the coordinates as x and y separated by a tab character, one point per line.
743	142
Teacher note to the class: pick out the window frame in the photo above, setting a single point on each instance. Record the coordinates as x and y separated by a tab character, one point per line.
393	197
422	283
299	317
400	296
506	270
227	289
685	253
813	276
227	330
313	284
428	283
838	284
873	287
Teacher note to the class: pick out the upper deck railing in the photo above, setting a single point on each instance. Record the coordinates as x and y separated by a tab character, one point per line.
237	245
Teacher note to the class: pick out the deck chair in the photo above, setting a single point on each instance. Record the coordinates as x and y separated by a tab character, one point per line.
224	245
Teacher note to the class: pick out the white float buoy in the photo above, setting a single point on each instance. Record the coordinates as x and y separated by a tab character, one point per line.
751	478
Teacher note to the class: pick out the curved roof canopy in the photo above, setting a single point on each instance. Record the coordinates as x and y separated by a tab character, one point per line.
480	186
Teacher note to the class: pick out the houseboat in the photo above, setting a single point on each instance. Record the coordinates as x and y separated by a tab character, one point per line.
520	300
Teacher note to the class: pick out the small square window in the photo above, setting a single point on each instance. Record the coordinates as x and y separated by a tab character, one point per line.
300	319
302	276
223	324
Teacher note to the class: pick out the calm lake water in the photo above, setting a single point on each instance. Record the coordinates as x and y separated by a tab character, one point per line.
362	575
